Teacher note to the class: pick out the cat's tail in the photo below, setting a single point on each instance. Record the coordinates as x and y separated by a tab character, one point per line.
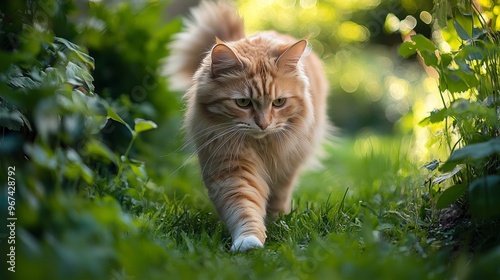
208	20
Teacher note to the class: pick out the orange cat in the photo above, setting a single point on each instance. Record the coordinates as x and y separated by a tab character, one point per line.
256	111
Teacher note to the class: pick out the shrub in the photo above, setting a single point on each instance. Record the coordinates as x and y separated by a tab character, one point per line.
73	177
470	92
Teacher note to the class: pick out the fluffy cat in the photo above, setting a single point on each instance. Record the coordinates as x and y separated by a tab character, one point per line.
256	111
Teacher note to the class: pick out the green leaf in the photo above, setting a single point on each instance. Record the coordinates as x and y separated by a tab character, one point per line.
407	49
94	148
423	43
470	52
13	119
472	152
429	57
436	116
143	125
132	193
456	80
445	59
41	156
74	168
137	167
484	196
450	195
87	59
114	116
461	31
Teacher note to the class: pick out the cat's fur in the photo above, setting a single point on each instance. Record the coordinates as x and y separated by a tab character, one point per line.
256	110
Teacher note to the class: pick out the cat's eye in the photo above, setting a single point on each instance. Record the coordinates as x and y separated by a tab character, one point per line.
279	102
243	102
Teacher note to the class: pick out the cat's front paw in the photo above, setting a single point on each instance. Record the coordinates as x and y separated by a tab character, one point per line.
245	243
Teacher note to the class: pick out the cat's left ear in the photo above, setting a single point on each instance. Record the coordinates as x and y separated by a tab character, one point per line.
290	56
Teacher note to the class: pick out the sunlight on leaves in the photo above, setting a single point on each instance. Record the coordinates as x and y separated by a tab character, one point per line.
144	125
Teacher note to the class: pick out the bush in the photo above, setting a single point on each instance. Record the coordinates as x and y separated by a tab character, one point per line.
470	93
70	139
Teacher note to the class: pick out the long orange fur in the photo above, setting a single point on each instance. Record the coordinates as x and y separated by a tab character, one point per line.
250	146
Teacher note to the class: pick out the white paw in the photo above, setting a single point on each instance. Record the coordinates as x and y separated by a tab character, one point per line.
245	243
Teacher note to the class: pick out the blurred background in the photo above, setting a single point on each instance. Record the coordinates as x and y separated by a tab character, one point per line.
372	88
60	127
374	91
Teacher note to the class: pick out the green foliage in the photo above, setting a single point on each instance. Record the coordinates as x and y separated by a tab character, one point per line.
468	82
72	182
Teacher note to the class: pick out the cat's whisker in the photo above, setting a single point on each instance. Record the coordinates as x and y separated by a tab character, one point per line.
190	141
208	142
203	132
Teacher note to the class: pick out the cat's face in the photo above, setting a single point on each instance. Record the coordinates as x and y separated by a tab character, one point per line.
258	97
258	110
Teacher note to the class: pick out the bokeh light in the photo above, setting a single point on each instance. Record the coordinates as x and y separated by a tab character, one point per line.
371	86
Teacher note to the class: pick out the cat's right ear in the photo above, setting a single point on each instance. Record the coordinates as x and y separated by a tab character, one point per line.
224	60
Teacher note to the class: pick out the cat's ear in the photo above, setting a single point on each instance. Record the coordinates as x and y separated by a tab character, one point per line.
224	60
218	41
290	56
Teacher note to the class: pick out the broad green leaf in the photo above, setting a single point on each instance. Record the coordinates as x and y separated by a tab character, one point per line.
445	59
13	119
138	167
94	148
484	196
429	57
450	195
472	152
143	125
132	193
114	116
87	59
423	43
407	49
74	167
461	31
463	110
436	116
42	156
456	80
478	32
470	52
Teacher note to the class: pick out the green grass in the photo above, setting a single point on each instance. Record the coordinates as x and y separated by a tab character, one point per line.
361	216
365	214
355	218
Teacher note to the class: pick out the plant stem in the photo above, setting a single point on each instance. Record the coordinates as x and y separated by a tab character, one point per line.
120	168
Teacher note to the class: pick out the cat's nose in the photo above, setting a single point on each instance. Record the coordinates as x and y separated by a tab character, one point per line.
263	124
262	121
